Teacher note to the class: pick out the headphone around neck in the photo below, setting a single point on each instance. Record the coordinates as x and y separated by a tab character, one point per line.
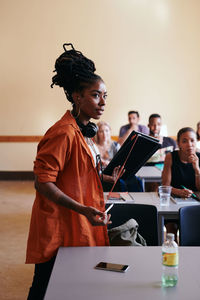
89	130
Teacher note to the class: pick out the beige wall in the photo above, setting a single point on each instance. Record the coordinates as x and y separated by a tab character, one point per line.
147	51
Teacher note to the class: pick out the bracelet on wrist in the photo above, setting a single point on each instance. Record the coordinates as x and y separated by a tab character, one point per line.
197	175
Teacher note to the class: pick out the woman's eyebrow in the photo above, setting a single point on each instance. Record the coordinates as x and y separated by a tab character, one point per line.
99	92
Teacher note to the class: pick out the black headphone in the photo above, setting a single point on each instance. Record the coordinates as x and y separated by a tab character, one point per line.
89	130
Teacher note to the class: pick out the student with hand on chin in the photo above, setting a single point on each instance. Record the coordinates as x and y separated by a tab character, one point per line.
133	124
182	170
182	167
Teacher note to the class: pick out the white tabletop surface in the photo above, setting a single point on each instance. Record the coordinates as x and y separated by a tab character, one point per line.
75	278
152	198
149	172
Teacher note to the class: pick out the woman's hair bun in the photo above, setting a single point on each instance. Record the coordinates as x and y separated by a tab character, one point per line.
73	68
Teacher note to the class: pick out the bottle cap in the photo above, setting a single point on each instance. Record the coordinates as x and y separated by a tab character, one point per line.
170	236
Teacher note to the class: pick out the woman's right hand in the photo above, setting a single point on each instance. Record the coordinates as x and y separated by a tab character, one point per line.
184	193
95	216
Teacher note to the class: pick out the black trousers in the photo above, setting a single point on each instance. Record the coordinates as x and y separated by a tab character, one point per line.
41	278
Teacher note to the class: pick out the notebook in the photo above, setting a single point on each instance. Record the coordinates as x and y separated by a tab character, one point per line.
191	200
138	148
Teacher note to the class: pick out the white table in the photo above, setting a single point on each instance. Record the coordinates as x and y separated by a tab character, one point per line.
75	278
164	213
149	174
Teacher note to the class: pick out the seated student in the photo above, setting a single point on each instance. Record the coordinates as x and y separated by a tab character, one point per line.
167	143
133	119
182	169
198	136
108	148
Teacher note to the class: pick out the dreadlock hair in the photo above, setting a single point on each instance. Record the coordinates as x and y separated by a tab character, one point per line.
74	72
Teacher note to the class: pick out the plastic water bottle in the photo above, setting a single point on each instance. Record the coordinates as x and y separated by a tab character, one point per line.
169	261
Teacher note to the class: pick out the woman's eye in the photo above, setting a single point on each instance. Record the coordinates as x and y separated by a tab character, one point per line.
96	96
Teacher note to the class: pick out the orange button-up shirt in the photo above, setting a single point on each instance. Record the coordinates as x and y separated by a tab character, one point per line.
64	158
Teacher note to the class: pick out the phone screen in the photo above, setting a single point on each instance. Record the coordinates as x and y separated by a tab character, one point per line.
111	267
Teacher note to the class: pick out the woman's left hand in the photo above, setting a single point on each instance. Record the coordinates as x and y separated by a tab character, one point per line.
194	160
115	172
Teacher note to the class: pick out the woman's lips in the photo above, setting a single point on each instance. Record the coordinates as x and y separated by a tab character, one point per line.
100	111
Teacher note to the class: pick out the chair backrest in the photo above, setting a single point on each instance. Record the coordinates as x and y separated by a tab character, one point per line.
145	215
189	232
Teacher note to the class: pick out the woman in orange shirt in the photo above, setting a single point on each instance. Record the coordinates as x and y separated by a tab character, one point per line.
69	204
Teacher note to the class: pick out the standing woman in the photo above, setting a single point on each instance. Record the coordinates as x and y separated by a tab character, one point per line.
69	204
182	167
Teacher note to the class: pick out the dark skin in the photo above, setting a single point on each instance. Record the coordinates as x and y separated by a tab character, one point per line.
90	103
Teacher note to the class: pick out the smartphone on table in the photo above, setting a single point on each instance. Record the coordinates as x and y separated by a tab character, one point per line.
111	267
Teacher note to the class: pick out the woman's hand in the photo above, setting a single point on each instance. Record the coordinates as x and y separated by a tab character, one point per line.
184	193
112	178
115	173
194	160
95	216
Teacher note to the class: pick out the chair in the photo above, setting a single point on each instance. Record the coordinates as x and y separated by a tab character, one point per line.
189	231
145	215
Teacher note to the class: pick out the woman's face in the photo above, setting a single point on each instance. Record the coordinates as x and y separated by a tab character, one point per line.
187	142
91	101
104	133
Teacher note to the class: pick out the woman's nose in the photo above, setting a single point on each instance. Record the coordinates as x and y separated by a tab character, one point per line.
102	101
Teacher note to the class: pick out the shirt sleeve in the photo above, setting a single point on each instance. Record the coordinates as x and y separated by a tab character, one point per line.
53	154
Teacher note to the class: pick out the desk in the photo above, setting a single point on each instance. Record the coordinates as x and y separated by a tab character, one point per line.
74	276
164	212
149	174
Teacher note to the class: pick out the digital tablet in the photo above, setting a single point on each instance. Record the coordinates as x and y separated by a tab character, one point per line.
145	146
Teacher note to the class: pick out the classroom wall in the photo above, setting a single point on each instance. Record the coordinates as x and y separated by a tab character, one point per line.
147	51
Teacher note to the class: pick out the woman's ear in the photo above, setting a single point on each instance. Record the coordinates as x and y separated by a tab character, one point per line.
76	98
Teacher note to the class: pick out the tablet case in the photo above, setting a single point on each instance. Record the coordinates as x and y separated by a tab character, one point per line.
145	146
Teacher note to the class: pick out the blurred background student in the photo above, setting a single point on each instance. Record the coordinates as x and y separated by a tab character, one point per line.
167	144
133	124
107	147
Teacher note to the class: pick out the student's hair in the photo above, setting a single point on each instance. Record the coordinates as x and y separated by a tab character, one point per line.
133	112
183	130
154	116
74	72
198	135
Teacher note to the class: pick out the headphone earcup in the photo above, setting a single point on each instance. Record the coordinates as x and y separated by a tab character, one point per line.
89	130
